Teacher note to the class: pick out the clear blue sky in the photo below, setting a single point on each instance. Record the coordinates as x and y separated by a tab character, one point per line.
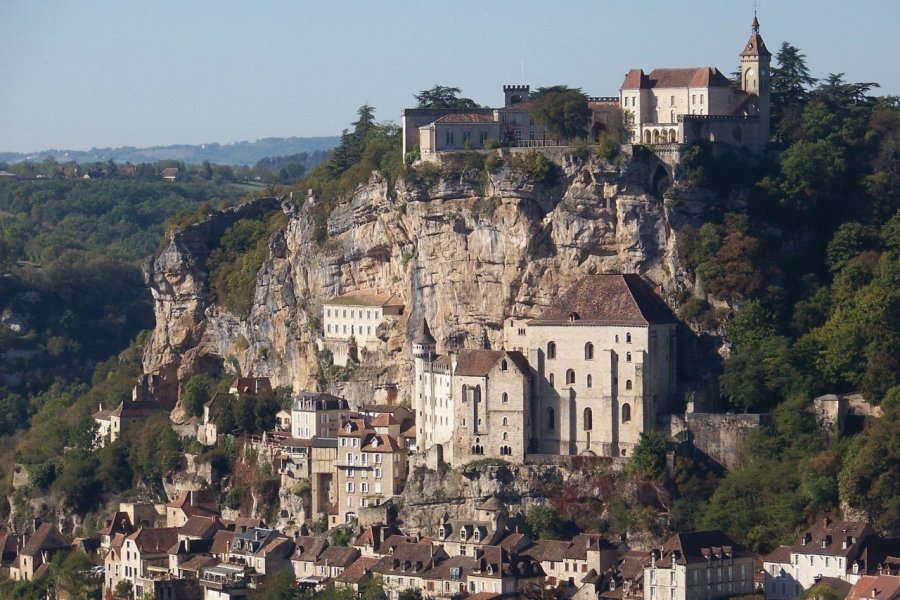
82	74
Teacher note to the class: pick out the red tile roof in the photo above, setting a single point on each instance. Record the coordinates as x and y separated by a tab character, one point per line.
360	569
154	539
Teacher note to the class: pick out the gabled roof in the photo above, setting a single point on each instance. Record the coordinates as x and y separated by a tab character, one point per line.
826	538
120	522
252	385
137	409
478	362
386	443
154	539
367	298
338	556
222	541
46	537
200	526
613	299
882	587
695	77
360	569
307	548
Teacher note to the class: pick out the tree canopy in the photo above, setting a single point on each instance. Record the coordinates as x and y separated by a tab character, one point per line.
562	110
441	96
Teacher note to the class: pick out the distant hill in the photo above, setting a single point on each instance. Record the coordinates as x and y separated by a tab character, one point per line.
238	153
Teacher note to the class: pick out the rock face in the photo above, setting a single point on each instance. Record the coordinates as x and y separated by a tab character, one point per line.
465	252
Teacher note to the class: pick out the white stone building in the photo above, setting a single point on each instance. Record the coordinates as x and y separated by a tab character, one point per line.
842	550
700	565
603	359
317	414
351	322
683	105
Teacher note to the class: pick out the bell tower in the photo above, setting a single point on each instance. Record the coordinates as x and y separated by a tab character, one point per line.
755	76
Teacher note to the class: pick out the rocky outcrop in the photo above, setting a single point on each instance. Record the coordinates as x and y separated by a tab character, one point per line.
465	252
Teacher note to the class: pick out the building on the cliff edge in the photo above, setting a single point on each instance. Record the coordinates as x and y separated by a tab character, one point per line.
351	322
684	105
666	106
587	377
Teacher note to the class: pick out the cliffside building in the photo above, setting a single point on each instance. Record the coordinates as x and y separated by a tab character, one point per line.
684	105
588	376
351	322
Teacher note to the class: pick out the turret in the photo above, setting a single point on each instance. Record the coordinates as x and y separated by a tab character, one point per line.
423	345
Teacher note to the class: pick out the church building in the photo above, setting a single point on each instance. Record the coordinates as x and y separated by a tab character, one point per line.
588	376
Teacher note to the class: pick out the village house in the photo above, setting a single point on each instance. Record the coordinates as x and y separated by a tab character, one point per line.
189	504
144	557
35	556
317	414
265	550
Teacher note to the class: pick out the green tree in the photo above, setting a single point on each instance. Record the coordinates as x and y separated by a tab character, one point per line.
73	571
373	589
649	456
544	522
411	594
441	96
77	484
564	111
124	589
197	391
791	85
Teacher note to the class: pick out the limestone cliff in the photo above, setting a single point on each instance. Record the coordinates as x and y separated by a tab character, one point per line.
465	252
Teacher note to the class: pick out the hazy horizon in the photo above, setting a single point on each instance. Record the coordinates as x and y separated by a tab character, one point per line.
100	74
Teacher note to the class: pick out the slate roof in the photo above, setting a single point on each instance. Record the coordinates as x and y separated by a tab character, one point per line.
781	554
826	538
423	334
697	77
306	401
614	299
695	546
46	537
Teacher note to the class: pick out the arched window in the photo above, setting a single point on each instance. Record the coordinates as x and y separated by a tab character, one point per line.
626	412
628	357
551	350
570	377
551	419
503	365
590	380
627	338
588	419
505	436
551	380
504	397
573	316
588	351
627	384
505	421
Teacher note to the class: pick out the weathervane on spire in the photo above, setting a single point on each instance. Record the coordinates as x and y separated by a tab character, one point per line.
755	20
